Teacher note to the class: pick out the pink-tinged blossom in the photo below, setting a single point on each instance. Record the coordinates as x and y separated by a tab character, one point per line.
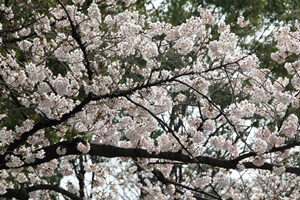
296	82
203	181
129	2
66	168
165	142
201	85
280	83
61	85
94	12
184	45
258	161
209	125
241	21
217	142
29	158
249	62
36	73
6	136
260	146
222	180
274	140
24	45
109	20
14	161
278	57
130	29
290	125
198	137
148	49
278	170
258	95
40	154
158	28
171	189
226	45
44	88
241	109
26	126
292	68
206	16
21	178
84	148
61	151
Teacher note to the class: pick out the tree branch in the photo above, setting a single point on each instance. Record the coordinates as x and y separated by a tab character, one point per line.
76	36
110	151
23	194
42	125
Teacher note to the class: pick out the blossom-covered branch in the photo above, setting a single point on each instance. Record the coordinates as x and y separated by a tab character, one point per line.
78	146
23	194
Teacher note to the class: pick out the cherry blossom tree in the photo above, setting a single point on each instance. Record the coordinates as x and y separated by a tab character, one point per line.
92	100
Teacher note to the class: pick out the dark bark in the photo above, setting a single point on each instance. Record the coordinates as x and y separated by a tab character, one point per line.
23	194
110	151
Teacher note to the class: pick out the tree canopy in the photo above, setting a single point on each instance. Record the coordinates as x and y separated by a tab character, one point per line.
131	100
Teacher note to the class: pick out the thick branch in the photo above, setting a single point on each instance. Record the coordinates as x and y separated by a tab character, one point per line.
274	149
109	151
23	194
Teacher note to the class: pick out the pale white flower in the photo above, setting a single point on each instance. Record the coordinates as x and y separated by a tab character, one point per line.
290	125
29	158
132	169
21	178
217	142
84	148
165	142
278	170
296	82
203	181
222	180
148	49
171	189
278	57
66	168
109	20
80	2
40	154
61	151
184	45
24	45
2	116
258	161
61	85
241	21
260	146
14	161
94	12
209	125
